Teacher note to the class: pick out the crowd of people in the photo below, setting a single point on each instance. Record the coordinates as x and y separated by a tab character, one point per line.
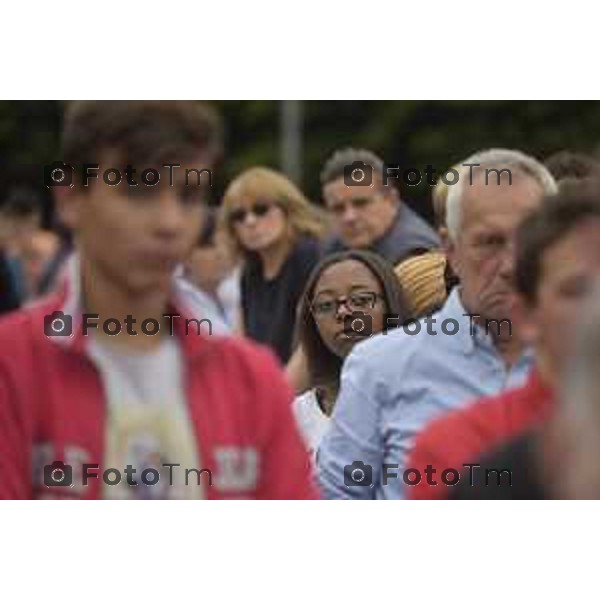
343	349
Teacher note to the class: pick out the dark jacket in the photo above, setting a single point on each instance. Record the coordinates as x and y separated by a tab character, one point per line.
408	234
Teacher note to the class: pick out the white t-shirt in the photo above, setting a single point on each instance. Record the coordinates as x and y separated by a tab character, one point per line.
312	421
147	422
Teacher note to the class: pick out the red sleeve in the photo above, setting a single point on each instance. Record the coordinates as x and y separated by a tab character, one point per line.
431	451
453	442
15	449
286	471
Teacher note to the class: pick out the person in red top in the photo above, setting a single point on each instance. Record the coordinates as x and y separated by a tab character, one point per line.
557	258
112	387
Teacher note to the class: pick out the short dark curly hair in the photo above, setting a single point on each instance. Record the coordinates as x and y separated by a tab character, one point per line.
571	165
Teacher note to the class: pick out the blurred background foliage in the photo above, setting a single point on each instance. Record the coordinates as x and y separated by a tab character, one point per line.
409	133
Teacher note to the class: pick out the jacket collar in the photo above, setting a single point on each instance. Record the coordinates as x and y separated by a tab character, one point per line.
68	300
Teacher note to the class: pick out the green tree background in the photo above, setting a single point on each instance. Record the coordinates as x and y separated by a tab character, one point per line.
410	133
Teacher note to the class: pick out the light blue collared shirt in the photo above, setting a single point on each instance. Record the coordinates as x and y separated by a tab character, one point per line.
393	384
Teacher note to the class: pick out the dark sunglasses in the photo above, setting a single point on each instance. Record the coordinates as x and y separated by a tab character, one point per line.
260	209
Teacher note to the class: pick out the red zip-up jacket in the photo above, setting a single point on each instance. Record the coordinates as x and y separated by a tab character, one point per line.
463	436
53	408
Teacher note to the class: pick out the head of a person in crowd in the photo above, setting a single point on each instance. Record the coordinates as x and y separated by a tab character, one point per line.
439	198
40	248
484	209
210	260
557	262
571	444
20	217
566	165
263	211
135	219
422	278
362	208
346	298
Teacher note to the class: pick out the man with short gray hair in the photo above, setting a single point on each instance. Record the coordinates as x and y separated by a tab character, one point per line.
367	212
395	383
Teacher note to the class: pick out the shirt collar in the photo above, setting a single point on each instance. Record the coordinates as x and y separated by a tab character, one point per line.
470	337
71	303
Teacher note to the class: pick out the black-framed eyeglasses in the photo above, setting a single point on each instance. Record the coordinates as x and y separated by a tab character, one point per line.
260	209
355	302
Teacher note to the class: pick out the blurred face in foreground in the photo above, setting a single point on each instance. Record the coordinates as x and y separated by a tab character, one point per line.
483	254
569	269
134	237
361	214
37	252
352	281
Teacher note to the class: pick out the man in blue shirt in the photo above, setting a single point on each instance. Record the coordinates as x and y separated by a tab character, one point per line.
395	383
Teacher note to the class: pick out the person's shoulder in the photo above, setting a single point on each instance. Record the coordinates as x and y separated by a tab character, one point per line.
308	248
24	324
392	347
306	406
306	399
410	222
23	343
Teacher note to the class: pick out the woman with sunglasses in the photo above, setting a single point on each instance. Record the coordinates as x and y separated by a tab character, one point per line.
277	232
347	298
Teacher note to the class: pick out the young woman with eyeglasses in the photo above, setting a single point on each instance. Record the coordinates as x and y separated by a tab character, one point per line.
347	299
277	232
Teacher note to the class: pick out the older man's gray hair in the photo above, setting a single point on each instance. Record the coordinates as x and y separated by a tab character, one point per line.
499	160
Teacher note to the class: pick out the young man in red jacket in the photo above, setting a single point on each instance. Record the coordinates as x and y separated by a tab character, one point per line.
112	388
557	261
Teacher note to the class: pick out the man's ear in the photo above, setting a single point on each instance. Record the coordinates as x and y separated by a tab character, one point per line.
449	248
67	202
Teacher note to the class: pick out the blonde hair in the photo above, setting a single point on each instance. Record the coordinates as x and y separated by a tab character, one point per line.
262	183
439	197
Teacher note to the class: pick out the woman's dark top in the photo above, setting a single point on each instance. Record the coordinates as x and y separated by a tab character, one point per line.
269	307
